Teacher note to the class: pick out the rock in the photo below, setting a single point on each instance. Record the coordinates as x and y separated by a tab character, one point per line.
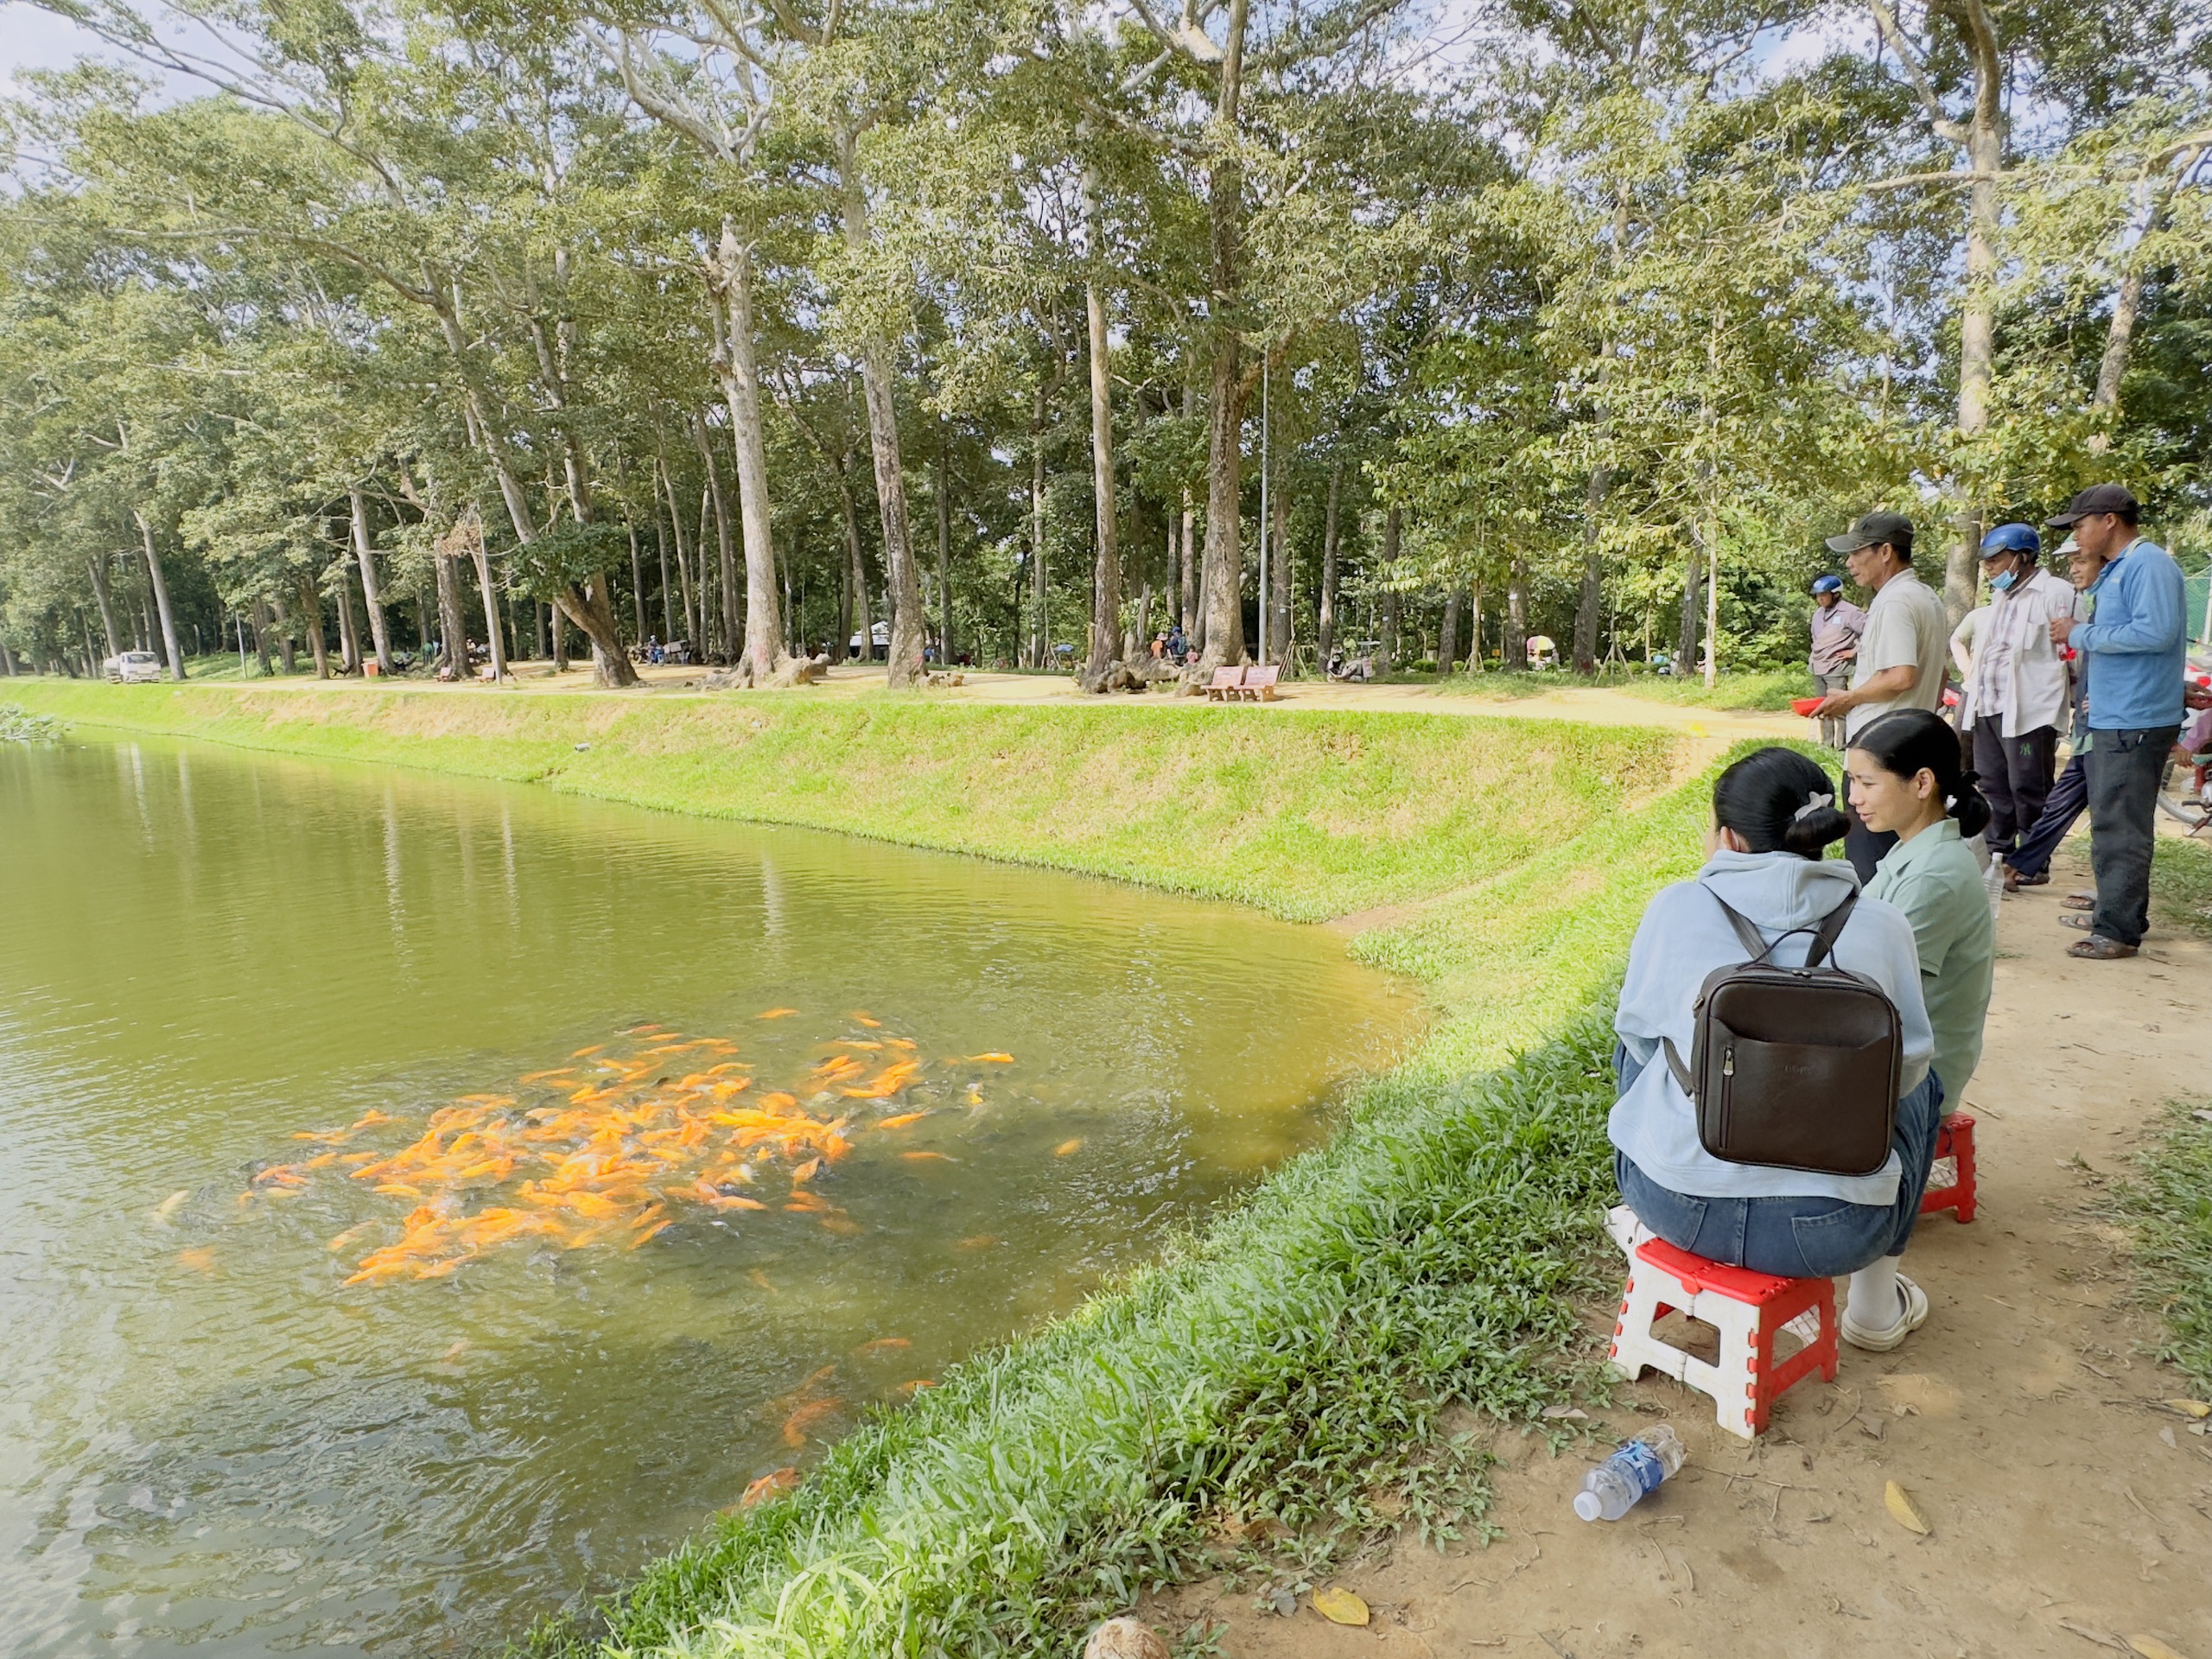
1125	1638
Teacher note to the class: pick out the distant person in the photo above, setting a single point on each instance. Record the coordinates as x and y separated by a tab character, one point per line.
2015	689
2029	863
1159	647
1774	813
2136	647
1837	625
1178	647
1900	659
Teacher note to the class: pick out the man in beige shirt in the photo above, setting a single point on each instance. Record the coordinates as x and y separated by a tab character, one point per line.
1901	655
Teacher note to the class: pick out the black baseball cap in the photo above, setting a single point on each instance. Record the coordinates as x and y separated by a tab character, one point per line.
2098	498
1872	530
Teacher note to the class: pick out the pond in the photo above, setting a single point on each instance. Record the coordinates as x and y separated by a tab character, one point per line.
428	1200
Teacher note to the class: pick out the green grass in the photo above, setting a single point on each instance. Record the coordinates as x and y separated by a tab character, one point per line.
2167	1208
1763	690
2181	884
1297	1357
1308	814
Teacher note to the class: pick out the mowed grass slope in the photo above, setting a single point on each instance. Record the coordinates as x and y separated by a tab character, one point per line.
1306	814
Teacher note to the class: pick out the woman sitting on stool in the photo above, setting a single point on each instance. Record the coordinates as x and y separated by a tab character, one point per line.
1773	813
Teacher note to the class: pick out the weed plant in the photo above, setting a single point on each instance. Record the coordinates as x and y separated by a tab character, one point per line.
2167	1207
2181	884
19	725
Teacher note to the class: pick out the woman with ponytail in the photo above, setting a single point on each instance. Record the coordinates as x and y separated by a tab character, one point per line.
1775	813
1905	776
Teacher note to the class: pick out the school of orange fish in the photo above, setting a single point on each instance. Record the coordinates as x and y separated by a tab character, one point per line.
614	1148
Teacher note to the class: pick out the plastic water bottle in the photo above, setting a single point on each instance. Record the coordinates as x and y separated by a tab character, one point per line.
1611	1490
1993	879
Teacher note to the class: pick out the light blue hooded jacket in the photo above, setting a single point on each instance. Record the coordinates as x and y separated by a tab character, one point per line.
1684	935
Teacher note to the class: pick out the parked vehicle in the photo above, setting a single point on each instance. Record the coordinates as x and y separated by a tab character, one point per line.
133	667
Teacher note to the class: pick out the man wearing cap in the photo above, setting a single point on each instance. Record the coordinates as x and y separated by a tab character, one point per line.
2016	689
1837	624
2135	651
1901	655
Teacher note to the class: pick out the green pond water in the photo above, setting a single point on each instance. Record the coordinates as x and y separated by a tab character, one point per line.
211	1443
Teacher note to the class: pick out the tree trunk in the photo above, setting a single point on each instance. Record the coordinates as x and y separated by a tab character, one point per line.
2151	215
493	642
862	619
99	568
1386	657
1189	584
372	592
730	270
1590	601
1712	604
1106	575
311	609
1040	649
1326	638
453	625
880	388
667	596
349	644
1447	645
944	547
1685	629
259	617
732	625
1224	573
558	626
637	584
1978	315
683	564
1281	645
1514	648
160	582
286	648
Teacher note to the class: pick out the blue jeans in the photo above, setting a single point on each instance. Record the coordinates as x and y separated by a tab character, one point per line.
2060	808
1794	1237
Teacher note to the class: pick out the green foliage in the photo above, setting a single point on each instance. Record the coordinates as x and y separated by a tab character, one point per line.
19	725
565	556
2167	1208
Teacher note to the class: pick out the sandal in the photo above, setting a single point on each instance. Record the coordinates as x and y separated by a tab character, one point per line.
2014	880
1880	1342
2097	948
2080	902
2082	918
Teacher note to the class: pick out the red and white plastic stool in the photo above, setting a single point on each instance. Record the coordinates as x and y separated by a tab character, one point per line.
1954	1140
1748	1309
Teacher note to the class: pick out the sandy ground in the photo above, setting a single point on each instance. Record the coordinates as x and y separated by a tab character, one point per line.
2070	1508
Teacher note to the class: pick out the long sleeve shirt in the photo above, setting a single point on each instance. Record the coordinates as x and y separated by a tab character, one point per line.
1836	629
2016	673
2138	646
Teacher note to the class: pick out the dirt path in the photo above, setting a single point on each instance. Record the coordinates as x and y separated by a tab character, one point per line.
2070	1510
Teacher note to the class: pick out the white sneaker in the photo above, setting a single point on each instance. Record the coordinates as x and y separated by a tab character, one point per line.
1880	1342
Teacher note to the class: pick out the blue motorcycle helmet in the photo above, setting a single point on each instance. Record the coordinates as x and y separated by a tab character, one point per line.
2011	538
1827	585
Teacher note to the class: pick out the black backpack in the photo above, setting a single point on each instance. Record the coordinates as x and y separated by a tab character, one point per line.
1793	1068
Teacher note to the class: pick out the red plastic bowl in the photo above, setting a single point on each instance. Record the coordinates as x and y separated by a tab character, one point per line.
1805	705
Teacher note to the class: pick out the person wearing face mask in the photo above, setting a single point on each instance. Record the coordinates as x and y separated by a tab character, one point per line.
2016	687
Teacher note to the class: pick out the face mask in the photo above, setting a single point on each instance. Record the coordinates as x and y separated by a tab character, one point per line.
2001	582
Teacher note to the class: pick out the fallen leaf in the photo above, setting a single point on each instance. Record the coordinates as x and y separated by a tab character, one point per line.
2150	1648
2191	1408
1903	1510
1566	1414
1339	1606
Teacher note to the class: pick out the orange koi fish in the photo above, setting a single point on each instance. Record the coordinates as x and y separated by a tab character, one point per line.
901	1120
991	1059
920	1157
776	1013
804	1172
864	1020
842	1226
801	1422
200	1258
881	1345
586	1053
770	1485
652	1232
910	1390
1067	1146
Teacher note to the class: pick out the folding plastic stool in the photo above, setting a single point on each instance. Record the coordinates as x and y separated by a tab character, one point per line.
1954	1140
1748	1309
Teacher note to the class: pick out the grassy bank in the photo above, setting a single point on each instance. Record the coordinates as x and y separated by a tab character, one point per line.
1298	1359
1762	690
1307	814
2167	1208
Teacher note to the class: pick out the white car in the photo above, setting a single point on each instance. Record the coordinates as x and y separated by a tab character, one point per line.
133	667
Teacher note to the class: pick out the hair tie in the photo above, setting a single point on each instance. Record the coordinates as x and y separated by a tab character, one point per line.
1813	803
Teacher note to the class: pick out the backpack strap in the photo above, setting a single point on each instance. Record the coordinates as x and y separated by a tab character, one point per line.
1682	1079
1746	933
1831	927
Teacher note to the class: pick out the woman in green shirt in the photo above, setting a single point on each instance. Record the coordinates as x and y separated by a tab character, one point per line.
1903	774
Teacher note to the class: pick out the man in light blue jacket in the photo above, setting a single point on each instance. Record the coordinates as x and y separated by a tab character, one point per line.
2136	649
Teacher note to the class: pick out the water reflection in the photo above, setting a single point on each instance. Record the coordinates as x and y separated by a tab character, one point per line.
210	1444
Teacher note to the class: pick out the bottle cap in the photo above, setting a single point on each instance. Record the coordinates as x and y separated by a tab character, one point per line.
1587	1506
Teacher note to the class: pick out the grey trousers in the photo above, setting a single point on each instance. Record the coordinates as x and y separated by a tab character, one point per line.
1832	726
2123	770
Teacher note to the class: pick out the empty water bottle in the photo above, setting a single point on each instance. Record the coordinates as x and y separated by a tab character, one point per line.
1611	1490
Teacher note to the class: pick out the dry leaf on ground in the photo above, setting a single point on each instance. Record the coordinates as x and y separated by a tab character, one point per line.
1339	1606
1903	1510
